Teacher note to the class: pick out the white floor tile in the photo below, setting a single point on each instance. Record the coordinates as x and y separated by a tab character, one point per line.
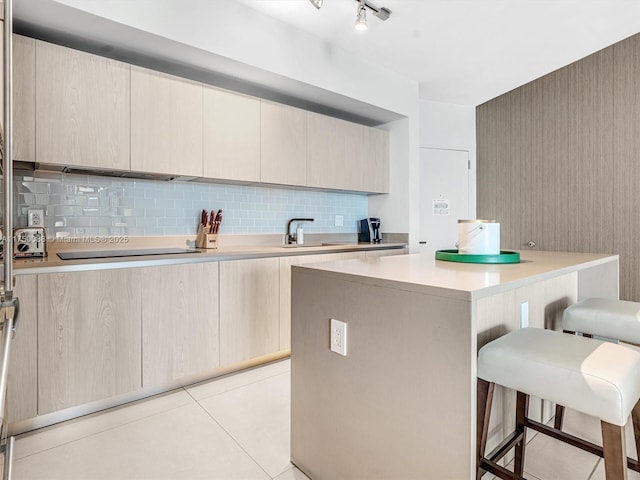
230	382
599	473
183	443
257	416
549	459
56	435
292	474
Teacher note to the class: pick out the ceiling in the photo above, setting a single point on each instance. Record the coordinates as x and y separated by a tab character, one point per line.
458	51
466	51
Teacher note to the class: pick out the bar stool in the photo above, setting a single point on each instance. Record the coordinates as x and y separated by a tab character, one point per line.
597	378
601	317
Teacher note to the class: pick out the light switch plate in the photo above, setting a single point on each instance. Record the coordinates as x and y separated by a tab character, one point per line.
338	337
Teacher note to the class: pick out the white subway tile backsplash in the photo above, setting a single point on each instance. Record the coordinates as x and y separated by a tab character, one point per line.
95	205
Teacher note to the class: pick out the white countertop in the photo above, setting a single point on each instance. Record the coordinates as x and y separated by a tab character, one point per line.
423	273
53	264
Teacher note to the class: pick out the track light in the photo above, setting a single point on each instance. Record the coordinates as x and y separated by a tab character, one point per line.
361	18
383	13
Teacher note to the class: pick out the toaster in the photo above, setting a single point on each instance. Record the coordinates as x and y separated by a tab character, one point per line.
29	242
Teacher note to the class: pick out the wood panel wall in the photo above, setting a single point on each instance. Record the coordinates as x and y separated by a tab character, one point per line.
558	160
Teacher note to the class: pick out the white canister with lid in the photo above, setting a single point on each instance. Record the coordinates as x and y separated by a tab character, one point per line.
479	237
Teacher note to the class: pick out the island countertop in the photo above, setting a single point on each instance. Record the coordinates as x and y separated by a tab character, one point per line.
402	402
423	273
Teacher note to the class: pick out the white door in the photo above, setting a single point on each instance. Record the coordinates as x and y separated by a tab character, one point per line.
444	197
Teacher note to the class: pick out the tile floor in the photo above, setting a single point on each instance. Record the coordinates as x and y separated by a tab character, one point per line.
233	428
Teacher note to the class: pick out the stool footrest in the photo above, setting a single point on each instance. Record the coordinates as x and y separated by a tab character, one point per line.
498	470
575	441
506	445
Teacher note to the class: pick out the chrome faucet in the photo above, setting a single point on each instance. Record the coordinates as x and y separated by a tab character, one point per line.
288	237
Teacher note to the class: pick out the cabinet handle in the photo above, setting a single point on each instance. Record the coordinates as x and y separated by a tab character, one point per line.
531	244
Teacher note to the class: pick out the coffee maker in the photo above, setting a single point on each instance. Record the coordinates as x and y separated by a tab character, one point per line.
369	230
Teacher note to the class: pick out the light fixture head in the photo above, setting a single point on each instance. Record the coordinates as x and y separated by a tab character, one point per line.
317	3
361	19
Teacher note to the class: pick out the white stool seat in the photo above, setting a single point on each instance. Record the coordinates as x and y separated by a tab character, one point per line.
618	319
597	378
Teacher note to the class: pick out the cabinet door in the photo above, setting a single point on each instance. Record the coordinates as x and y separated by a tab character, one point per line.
88	337
386	253
24	97
249	309
283	150
231	136
180	321
375	165
22	386
335	152
166	123
82	109
285	286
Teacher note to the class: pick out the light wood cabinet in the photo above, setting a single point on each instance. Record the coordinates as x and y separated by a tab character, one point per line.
22	385
231	135
375	162
386	253
88	336
283	150
249	309
24	97
285	286
326	152
82	108
346	156
166	123
180	321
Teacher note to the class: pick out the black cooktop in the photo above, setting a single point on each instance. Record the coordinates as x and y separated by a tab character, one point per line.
81	255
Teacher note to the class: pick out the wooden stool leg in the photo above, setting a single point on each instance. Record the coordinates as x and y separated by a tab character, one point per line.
635	415
559	418
485	398
522	409
615	451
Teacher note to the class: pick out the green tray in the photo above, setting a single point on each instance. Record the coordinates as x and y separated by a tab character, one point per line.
454	256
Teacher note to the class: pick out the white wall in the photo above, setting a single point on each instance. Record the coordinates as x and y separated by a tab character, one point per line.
444	125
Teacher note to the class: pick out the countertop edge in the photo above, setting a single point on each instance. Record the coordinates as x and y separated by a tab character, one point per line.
51	265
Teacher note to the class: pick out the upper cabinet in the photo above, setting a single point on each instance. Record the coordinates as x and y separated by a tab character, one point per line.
166	124
77	109
24	98
82	109
283	153
376	161
346	156
231	136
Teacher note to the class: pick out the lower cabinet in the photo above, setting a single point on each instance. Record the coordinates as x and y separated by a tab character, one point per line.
22	385
180	321
88	336
285	286
386	253
249	309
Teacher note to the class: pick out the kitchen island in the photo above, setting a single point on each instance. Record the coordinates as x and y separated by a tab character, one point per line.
402	403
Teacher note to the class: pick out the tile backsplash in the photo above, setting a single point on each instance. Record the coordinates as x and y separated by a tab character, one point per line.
80	205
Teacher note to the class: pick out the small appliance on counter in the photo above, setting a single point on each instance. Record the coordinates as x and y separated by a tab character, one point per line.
29	242
369	230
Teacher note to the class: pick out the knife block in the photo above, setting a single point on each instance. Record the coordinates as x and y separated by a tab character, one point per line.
206	240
